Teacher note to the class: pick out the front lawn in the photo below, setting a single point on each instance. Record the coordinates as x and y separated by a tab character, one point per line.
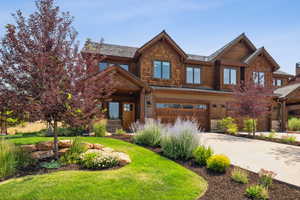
149	177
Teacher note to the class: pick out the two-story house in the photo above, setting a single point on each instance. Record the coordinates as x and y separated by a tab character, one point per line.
160	80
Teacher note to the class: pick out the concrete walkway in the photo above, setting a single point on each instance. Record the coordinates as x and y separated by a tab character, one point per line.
257	154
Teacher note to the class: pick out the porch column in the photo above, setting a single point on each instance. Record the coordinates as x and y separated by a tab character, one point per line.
283	116
142	105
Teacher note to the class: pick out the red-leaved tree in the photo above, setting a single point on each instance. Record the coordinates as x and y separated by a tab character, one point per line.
251	101
42	65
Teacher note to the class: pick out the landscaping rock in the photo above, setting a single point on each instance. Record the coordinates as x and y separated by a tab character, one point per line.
62	151
38	155
64	144
88	145
124	159
45	146
107	149
98	146
29	148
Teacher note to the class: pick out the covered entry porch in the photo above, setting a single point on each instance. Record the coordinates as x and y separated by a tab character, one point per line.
127	104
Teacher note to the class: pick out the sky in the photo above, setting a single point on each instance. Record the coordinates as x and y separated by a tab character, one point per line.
198	26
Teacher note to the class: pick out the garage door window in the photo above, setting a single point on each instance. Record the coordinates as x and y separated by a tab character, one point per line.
182	106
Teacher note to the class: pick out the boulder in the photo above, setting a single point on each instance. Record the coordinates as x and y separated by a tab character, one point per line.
45	146
88	145
124	159
62	151
28	148
64	144
108	150
98	146
38	155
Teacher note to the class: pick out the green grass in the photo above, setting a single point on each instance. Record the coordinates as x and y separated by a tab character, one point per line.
149	177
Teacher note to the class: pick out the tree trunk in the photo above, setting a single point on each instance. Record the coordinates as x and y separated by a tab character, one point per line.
55	143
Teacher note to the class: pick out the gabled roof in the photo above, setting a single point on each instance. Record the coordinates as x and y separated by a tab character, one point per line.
279	72
131	77
286	90
110	50
258	52
225	48
167	37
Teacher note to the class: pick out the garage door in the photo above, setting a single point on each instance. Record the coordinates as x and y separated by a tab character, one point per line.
169	112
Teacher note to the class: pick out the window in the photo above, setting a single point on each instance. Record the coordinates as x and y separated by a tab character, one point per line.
104	65
193	75
113	110
230	76
161	69
259	78
277	82
182	106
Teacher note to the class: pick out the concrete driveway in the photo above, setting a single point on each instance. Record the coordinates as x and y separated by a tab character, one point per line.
256	154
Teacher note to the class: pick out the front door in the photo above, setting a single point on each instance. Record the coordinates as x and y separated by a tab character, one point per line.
128	115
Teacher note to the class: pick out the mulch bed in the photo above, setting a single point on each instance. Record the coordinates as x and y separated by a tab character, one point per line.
222	187
258	137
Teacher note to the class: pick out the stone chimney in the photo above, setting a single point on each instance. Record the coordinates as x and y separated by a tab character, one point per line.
298	69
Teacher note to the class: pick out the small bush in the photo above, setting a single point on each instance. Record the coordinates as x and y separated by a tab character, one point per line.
266	178
120	131
272	134
23	159
257	192
99	128
294	124
72	155
218	163
180	140
223	124
250	125
201	154
148	134
288	138
51	165
239	176
232	129
95	159
63	131
8	158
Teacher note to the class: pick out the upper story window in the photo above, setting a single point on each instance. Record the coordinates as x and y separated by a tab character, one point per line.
193	75
259	78
104	65
277	82
230	76
161	69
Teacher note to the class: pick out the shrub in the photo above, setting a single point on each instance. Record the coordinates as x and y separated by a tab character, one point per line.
51	165
257	192
120	131
72	155
95	159
201	154
218	163
272	134
148	134
232	129
23	158
63	131
180	140
8	159
99	128
294	124
223	124
266	178
250	125
288	138
239	175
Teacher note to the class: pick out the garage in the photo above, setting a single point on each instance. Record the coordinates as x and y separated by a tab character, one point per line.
169	112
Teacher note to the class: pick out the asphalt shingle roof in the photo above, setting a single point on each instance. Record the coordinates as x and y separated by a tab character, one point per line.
286	90
282	73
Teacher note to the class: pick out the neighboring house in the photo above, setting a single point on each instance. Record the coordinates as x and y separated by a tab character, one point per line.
160	80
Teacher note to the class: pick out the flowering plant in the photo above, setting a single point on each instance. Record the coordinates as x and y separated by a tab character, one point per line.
96	159
266	177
